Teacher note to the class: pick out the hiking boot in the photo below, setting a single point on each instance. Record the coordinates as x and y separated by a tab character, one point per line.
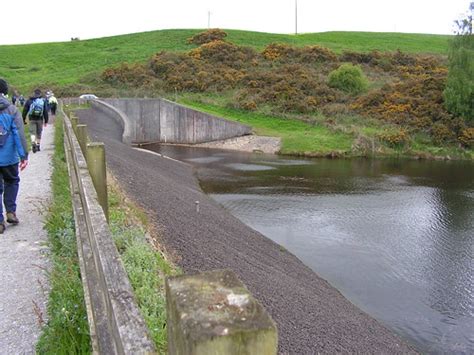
33	147
12	218
2	227
38	148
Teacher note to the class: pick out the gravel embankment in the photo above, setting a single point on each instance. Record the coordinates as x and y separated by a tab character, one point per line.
311	315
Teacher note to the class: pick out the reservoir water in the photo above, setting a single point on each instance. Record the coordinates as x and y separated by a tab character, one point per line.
396	237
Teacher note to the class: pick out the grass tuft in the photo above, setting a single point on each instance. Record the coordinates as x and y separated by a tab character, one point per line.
67	329
146	267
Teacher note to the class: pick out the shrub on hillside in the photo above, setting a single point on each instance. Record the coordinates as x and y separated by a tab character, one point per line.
162	62
335	109
441	133
276	51
348	78
72	90
185	72
132	74
457	125
395	139
416	101
224	53
282	79
308	54
243	100
420	123
214	34
361	58
288	88
459	92
403	59
466	138
316	54
398	63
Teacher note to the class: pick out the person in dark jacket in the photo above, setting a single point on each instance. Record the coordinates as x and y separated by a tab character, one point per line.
36	109
13	156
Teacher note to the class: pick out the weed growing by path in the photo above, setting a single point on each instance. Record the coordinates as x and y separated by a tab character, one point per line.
146	267
67	329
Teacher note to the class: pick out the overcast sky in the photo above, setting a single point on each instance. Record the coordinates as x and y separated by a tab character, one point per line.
63	19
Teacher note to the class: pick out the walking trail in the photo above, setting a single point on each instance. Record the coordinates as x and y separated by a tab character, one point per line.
24	257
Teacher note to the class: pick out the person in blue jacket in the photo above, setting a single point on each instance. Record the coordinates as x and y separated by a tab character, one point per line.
13	156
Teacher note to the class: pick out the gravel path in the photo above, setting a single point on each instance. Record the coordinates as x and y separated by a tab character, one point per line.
23	257
311	315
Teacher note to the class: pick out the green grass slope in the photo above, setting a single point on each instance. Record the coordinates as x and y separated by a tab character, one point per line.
56	64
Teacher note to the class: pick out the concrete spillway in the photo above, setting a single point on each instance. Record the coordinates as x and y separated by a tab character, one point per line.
159	120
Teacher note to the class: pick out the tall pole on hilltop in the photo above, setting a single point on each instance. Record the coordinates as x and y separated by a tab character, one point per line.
296	17
208	20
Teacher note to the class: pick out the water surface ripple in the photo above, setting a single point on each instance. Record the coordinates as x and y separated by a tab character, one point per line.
395	237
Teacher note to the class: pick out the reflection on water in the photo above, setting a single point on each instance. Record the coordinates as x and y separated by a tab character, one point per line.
395	237
204	160
248	167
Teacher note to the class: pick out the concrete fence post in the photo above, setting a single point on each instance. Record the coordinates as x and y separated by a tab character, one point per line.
95	156
81	134
214	313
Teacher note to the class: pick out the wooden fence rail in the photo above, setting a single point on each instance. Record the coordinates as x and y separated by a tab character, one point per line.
115	322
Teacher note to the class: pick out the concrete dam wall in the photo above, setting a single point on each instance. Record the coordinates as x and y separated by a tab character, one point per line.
159	120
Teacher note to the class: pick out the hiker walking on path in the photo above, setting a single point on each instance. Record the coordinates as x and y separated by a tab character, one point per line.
36	108
53	104
24	257
13	156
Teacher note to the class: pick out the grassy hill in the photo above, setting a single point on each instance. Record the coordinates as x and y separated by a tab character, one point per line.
53	64
400	115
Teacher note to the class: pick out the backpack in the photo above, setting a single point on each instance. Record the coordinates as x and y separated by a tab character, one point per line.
36	108
53	101
4	128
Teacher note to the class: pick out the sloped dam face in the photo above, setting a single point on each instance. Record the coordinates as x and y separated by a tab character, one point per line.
395	237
